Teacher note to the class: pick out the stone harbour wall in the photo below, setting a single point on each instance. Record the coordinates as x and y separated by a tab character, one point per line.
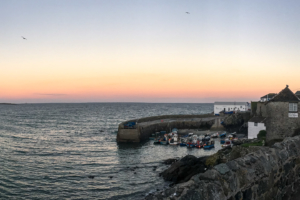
266	173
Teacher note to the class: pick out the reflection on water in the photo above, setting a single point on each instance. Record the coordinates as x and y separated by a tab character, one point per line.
49	150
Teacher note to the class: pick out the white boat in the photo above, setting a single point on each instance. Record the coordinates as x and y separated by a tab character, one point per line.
227	143
215	135
173	140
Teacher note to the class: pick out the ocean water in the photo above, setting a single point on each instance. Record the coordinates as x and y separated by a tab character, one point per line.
48	151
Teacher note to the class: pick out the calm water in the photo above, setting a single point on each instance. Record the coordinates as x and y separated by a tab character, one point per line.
49	150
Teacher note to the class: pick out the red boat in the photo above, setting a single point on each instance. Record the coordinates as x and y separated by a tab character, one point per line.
199	144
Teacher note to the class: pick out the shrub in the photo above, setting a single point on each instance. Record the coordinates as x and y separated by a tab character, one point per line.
262	135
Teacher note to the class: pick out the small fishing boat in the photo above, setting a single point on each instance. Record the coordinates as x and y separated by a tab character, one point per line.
165	140
227	143
173	140
174	130
209	144
206	139
191	142
157	138
222	135
222	141
215	135
199	144
183	141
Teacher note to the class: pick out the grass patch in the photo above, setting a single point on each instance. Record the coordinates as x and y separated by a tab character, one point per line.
261	136
259	143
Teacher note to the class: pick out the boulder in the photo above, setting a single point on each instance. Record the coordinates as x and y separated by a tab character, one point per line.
170	161
184	169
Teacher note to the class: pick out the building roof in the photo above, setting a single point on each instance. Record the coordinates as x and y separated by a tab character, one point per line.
257	119
297	93
231	103
270	95
285	95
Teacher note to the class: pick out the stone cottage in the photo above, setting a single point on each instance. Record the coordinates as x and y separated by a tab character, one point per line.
281	115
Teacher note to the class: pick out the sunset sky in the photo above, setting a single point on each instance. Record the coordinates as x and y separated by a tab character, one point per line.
147	50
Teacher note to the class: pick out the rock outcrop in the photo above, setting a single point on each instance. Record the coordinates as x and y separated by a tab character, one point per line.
184	169
236	122
262	173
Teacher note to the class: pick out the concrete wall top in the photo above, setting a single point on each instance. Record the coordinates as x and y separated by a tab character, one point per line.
153	118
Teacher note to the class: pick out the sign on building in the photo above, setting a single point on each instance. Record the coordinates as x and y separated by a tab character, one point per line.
293	115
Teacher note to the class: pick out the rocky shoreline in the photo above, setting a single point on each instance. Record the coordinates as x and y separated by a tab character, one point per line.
236	173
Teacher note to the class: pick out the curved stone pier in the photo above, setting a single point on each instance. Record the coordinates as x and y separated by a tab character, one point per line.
146	126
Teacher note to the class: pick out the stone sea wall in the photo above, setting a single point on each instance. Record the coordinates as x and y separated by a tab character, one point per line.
264	173
160	117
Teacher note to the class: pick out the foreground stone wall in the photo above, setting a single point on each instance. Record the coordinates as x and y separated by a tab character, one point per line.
266	173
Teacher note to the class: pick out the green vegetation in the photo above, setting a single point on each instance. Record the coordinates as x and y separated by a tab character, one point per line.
212	160
261	136
259	143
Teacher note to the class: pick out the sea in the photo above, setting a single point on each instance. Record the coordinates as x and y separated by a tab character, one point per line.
69	151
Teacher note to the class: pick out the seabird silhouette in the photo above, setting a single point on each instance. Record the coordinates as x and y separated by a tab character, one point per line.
23	38
187	12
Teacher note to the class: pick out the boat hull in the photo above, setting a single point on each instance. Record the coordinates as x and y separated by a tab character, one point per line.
208	146
190	145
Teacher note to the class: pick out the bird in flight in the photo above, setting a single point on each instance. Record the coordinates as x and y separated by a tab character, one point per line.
187	12
23	38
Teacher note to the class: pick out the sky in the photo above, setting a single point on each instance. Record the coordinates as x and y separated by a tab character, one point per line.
147	50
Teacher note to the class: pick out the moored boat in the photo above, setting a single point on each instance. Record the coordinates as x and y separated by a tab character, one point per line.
165	140
227	143
173	140
209	144
183	141
199	144
222	135
206	139
190	143
215	135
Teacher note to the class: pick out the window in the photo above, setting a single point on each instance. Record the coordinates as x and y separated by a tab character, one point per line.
293	107
255	123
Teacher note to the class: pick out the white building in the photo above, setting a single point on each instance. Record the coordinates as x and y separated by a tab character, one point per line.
255	124
230	106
